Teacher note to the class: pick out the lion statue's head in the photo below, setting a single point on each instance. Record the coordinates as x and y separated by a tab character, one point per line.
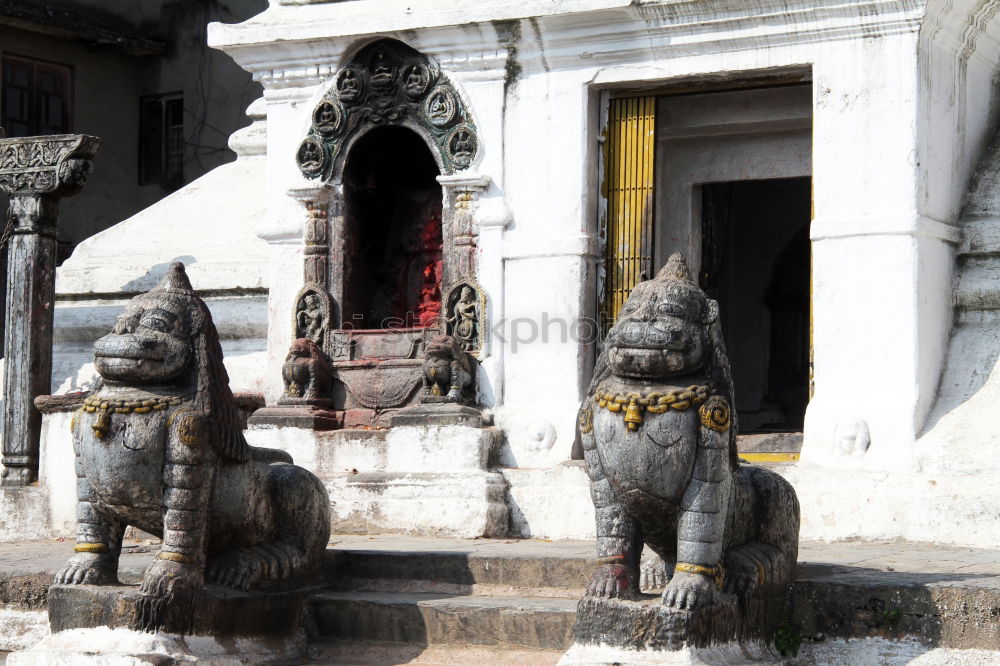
664	328
447	347
304	348
667	330
166	339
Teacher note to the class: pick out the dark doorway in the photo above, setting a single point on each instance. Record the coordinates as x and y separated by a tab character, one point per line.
392	259
756	263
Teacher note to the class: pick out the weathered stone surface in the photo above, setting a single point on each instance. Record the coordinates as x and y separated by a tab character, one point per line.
213	611
160	446
312	417
649	624
435	619
658	431
444	414
467	504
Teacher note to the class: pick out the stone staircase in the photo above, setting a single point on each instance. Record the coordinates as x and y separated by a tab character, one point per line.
399	599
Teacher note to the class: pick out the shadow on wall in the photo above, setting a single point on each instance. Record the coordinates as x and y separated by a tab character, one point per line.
153	275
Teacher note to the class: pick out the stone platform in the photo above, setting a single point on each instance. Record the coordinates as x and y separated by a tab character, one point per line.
398	599
429	480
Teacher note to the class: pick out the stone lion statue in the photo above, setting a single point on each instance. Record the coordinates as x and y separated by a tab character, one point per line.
159	445
448	371
659	438
307	371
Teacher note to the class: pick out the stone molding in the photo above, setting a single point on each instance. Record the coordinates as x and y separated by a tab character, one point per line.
604	32
828	228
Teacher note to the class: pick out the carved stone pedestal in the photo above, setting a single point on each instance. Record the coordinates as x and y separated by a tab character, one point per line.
443	414
299	413
649	627
89	621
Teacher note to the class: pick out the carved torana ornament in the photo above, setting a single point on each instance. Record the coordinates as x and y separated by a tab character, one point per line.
389	83
659	438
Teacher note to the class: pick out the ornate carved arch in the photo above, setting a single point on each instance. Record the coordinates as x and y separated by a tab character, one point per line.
388	82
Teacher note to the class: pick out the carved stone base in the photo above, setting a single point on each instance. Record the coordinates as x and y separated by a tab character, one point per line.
304	415
218	612
440	414
649	625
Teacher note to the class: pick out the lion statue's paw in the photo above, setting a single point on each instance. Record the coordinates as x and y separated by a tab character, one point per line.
613	581
241	569
88	569
690	591
652	573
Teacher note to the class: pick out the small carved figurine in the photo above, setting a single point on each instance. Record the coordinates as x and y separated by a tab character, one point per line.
310	318
462	145
159	445
448	371
307	372
659	438
464	320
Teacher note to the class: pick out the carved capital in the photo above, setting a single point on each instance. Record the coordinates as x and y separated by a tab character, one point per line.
55	165
463	190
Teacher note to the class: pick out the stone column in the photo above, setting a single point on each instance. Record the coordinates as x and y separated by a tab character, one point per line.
460	232
35	172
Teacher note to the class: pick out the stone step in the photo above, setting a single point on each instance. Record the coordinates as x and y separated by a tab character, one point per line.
389	654
427	594
496	567
444	620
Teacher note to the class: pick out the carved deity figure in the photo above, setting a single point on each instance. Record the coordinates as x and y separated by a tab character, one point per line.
307	371
381	68
448	371
326	117
659	438
462	145
310	156
310	318
159	445
348	86
440	108
415	82
464	320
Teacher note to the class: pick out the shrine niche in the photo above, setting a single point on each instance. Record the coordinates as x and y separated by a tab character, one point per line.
388	83
393	234
391	238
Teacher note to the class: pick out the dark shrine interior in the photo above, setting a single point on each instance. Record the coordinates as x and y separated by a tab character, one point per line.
392	263
756	263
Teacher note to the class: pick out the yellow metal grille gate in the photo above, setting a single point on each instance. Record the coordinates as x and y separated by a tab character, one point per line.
628	187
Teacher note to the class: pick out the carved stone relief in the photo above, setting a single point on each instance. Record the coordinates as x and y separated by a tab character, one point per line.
388	82
465	314
312	314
